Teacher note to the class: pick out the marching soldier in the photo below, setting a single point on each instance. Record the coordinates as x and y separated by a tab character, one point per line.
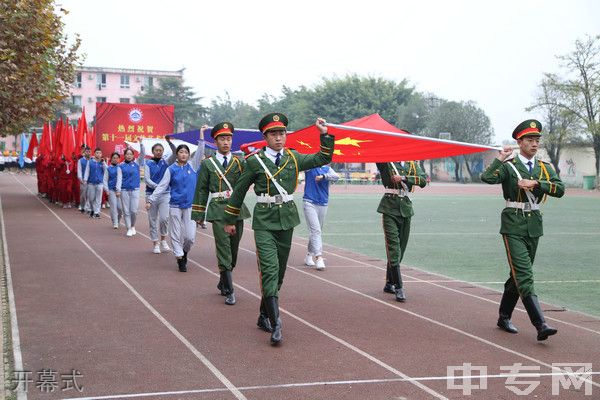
399	179
274	173
216	180
526	180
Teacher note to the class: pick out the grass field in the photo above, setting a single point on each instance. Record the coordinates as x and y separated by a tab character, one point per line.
457	236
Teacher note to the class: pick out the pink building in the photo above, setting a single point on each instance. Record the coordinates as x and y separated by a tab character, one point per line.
112	85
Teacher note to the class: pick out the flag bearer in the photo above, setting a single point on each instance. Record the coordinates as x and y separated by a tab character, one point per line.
399	179
180	180
158	215
274	173
216	180
526	181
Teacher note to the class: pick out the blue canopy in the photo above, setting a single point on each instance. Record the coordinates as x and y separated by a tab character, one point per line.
240	136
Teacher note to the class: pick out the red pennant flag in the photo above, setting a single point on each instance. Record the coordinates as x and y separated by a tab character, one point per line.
373	139
58	133
33	143
92	138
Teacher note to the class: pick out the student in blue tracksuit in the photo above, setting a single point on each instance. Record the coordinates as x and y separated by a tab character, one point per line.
130	188
84	204
112	186
158	215
94	178
180	179
315	200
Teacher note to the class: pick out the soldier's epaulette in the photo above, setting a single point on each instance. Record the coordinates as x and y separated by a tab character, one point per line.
510	158
546	162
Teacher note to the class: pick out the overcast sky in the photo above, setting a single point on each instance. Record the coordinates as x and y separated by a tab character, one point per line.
493	53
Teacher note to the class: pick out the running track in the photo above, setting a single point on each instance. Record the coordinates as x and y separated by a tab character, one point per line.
88	298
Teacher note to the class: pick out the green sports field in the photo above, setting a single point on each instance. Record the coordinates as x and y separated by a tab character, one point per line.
457	235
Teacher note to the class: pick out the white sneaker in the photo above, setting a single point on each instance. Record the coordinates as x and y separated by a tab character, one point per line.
115	226
320	263
156	249
129	233
133	232
164	245
308	261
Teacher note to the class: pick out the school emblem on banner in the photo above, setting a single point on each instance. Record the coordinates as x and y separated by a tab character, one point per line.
136	115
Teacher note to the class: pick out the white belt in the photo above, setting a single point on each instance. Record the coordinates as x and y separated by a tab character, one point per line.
221	195
522	206
398	192
277	199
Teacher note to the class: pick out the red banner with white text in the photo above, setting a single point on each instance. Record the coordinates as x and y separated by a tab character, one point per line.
119	122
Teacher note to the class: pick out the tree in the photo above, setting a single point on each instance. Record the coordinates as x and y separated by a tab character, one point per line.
339	100
580	91
241	114
170	90
37	64
467	123
558	123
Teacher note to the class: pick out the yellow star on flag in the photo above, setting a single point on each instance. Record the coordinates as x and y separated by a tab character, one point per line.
338	152
304	144
350	142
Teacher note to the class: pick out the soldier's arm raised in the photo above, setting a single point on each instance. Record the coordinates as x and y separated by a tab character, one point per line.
496	172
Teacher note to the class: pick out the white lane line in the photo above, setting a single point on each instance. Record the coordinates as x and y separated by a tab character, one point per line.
457	290
324	332
484	282
215	371
14	325
338	383
199	355
417	315
455	233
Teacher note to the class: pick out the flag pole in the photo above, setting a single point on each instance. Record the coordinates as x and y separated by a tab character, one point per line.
404	135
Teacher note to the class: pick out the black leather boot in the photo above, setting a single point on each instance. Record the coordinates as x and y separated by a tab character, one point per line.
507	305
220	284
389	285
181	264
263	318
272	306
397	278
536	316
228	286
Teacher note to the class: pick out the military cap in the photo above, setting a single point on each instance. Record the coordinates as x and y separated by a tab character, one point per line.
224	128
273	122
530	127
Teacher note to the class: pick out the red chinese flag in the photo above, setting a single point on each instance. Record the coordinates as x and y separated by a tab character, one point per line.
373	139
33	143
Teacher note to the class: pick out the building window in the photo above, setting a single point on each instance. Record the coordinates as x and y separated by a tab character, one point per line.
76	100
124	81
124	100
77	83
101	80
148	82
100	99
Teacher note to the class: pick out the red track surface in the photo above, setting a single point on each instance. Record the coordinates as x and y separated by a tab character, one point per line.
132	324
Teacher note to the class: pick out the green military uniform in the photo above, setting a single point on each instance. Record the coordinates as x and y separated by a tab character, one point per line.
275	214
521	224
396	209
211	183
